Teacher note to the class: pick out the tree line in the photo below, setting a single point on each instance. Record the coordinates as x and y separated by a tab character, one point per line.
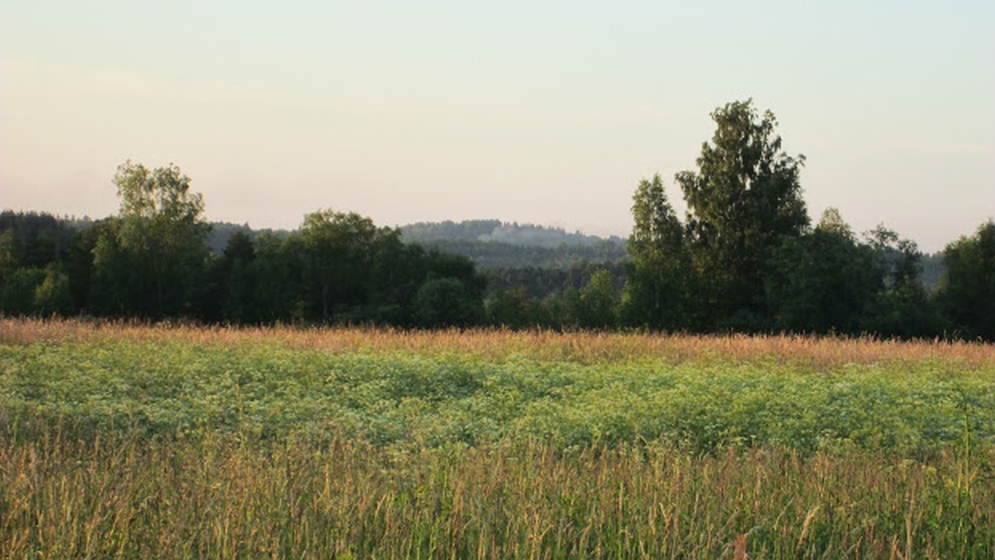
745	258
151	262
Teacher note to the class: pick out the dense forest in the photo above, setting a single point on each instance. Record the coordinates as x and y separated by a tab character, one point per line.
490	244
744	258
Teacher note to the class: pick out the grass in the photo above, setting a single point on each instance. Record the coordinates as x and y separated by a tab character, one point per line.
221	497
131	441
817	353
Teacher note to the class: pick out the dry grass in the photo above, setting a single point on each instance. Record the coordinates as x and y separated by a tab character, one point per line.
221	497
816	352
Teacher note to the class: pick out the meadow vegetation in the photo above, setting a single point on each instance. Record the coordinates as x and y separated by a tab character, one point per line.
124	440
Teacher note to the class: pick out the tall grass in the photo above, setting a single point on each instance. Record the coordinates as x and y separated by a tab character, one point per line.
221	497
590	347
125	441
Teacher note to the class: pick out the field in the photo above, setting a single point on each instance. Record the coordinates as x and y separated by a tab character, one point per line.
172	441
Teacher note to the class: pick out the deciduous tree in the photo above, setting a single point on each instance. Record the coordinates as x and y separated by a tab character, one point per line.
163	232
338	253
743	199
968	288
824	281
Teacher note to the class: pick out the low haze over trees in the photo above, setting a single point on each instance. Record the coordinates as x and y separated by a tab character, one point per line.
745	257
493	244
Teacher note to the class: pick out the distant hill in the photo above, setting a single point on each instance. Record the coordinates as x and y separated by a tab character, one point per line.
492	254
496	231
221	232
430	232
493	244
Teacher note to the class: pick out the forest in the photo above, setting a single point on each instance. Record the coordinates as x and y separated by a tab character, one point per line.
746	257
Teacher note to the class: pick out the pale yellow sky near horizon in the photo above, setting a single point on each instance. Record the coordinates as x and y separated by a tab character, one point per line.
545	113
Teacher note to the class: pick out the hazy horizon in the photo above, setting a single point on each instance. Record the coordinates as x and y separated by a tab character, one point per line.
546	114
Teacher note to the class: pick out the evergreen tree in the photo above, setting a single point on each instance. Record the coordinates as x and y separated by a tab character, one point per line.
234	282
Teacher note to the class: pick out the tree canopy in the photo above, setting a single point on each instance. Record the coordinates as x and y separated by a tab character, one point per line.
659	270
743	258
967	294
744	197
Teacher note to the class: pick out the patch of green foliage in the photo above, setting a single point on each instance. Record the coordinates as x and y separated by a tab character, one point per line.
271	391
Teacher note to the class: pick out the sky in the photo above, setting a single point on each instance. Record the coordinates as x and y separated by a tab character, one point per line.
546	112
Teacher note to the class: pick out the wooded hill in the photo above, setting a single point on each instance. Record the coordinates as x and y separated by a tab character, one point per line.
490	244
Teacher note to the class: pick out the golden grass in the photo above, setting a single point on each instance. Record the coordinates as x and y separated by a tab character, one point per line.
819	352
221	497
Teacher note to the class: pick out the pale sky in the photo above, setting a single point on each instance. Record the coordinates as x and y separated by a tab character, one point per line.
530	111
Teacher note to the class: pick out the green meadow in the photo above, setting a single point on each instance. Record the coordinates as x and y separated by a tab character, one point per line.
129	441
